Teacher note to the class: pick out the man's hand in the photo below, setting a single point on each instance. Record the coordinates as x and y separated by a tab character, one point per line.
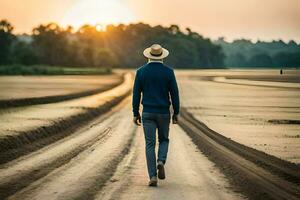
175	119
137	120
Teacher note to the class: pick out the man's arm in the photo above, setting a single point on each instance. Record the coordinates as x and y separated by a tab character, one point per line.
136	96
174	94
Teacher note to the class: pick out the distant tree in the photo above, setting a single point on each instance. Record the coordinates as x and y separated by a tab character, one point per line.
6	40
104	58
174	29
189	31
244	53
24	53
292	43
50	43
260	60
5	26
183	53
284	59
236	60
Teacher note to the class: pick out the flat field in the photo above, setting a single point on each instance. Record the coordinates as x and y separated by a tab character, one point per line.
19	87
258	108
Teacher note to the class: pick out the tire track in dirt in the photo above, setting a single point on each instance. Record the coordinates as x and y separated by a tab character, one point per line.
287	170
12	103
255	181
86	173
13	146
21	172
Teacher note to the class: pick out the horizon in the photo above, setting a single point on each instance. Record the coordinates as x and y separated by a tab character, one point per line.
268	21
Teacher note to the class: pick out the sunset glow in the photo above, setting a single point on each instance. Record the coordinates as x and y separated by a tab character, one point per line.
232	19
100	12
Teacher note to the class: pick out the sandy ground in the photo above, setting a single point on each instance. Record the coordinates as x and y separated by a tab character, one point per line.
105	158
22	119
85	165
189	173
256	115
17	87
67	179
261	74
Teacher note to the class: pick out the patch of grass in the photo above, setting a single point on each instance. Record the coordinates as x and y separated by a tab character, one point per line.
51	70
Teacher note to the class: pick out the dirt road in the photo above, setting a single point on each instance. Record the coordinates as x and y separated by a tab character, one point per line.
190	175
56	172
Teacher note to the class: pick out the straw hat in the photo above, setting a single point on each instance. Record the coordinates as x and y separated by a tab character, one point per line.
156	52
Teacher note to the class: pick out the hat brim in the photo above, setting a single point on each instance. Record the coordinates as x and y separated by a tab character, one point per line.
164	54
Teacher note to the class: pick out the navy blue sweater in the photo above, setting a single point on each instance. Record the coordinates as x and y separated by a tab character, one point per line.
157	83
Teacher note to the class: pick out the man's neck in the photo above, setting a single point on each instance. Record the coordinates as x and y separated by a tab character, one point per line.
155	61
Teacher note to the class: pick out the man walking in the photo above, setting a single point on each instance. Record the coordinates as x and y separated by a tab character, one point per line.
157	84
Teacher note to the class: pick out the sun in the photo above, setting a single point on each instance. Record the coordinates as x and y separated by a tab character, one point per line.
97	12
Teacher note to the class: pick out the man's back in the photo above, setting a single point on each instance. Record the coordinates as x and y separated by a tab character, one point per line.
157	83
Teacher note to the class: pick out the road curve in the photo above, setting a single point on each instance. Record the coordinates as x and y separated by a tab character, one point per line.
26	129
27	170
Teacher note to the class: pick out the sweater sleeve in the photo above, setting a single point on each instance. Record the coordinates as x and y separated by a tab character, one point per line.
174	94
136	96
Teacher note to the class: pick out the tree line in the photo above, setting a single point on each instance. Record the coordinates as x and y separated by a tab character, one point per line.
245	53
122	46
116	46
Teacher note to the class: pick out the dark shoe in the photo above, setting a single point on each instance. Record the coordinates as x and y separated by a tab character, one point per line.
153	181
161	170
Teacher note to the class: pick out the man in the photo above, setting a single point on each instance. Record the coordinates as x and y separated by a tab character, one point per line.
157	83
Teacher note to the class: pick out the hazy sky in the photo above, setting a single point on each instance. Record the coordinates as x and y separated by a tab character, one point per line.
254	19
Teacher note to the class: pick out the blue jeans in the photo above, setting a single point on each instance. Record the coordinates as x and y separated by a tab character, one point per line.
151	122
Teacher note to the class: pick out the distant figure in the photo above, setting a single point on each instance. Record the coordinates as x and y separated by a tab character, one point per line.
281	72
157	83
